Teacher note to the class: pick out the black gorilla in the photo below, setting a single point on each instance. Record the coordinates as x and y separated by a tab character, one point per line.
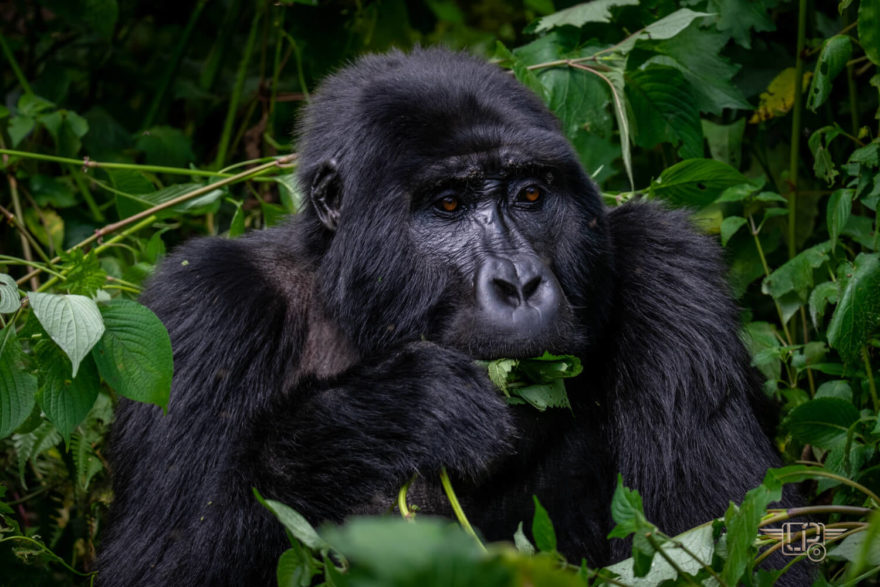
326	361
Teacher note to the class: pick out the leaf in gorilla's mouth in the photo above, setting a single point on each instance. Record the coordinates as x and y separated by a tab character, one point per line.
537	381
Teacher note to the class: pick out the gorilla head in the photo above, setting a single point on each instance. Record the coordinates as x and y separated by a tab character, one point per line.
502	235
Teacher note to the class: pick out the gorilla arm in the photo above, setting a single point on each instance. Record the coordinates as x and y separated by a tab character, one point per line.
680	388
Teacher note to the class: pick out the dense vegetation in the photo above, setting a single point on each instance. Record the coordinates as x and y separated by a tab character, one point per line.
127	127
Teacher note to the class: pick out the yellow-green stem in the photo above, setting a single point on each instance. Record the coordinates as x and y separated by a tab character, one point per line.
456	507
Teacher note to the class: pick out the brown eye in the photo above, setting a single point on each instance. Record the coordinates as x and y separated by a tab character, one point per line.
449	204
531	194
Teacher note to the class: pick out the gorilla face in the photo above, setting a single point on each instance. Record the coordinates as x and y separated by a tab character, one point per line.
487	224
504	234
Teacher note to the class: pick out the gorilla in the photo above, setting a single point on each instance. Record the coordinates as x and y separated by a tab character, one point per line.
328	360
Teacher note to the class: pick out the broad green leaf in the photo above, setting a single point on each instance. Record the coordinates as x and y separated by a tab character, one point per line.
542	528
627	512
667	27
821	295
796	275
742	528
294	522
695	182
869	29
17	387
696	52
730	226
10	301
130	182
858	313
581	14
698	542
725	141
20	127
835	389
134	355
50	191
67	400
739	16
164	145
822	422
520	69
832	60
296	567
823	164
863	548
763	343
499	370
838	211
290	195
663	109
72	321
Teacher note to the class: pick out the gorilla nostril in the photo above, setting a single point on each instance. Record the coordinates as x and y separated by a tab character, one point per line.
531	287
506	291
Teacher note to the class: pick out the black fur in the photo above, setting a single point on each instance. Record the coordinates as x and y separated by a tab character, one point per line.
326	361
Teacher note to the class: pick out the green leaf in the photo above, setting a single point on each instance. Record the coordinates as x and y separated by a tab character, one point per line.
835	389
628	512
869	29
698	541
521	70
663	110
832	60
164	145
130	204
739	16
763	343
19	128
695	182
85	460
17	387
821	295
290	195
65	400
667	27
822	422
72	321
521	542
839	208
236	226
696	52
823	164
730	226
294	522
134	355
581	14
542	528
296	567
499	371
796	275
10	300
742	527
858	313
725	141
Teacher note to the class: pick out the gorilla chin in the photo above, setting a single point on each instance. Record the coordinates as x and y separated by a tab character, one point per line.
327	361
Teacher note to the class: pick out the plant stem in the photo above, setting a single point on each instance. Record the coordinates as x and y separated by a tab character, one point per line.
88	163
226	135
755	231
796	127
19	75
87	196
407	513
456	507
872	387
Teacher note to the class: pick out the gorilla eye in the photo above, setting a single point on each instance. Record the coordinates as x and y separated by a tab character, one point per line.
448	203
531	193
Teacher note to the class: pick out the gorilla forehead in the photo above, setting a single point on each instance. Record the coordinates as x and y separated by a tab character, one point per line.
430	105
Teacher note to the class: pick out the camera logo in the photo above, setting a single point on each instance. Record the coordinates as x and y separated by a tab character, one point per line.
803	538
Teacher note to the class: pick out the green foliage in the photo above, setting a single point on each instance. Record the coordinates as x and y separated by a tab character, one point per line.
112	154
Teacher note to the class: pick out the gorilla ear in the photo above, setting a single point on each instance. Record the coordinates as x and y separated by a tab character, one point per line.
326	194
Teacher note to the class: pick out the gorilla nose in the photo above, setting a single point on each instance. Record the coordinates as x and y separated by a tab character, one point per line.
519	289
